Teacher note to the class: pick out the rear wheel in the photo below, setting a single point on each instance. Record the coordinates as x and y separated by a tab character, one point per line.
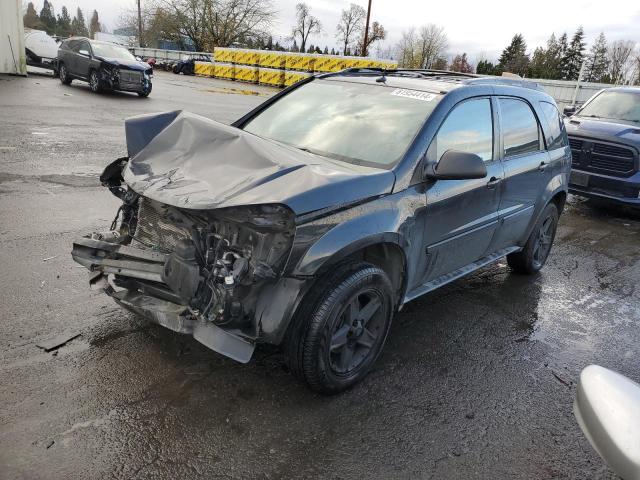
63	74
536	251
334	341
94	81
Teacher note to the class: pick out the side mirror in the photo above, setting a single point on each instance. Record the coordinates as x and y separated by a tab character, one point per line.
458	165
569	110
84	52
607	408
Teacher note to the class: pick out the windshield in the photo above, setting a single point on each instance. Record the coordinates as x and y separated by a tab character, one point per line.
111	51
369	125
614	105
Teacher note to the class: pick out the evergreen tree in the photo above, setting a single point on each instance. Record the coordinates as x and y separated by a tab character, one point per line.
333	51
270	43
63	25
31	18
326	50
598	61
574	56
563	46
485	67
294	47
311	48
94	24
47	18
514	58
554	53
538	65
78	25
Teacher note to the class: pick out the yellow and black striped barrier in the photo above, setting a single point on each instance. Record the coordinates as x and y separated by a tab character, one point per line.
279	69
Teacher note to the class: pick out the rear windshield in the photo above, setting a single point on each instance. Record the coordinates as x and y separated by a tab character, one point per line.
369	125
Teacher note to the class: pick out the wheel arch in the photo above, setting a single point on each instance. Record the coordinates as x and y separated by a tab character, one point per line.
383	250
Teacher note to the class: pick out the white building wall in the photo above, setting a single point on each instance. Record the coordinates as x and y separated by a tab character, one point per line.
12	54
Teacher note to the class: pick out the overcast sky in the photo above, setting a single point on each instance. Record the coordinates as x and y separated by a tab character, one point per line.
480	28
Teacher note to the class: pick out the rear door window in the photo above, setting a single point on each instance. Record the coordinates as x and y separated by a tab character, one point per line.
468	128
520	130
553	126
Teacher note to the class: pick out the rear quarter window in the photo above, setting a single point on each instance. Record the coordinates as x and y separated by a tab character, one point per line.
553	126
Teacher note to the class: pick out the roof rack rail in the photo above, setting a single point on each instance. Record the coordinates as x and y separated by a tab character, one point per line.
506	81
413	72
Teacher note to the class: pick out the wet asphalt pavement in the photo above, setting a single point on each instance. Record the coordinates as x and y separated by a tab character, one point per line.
476	381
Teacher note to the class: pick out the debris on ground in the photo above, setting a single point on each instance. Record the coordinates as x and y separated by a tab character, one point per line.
561	379
50	444
57	341
49	258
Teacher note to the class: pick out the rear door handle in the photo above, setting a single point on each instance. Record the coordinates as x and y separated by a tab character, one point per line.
493	181
543	166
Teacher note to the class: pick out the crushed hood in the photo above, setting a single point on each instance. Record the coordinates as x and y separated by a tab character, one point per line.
189	161
126	64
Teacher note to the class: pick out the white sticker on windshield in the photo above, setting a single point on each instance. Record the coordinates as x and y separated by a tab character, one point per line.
424	96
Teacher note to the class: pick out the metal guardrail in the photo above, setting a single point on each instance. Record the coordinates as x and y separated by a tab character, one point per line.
160	54
563	91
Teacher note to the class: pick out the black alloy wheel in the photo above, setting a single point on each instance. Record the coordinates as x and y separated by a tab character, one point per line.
340	328
536	251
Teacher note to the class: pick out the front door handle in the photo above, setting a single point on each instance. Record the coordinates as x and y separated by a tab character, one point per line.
543	165
493	181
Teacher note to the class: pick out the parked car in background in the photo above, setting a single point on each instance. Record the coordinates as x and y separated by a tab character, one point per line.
105	66
41	49
186	66
604	135
301	227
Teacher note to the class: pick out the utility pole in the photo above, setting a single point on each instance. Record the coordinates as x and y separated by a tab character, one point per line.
575	91
366	31
139	25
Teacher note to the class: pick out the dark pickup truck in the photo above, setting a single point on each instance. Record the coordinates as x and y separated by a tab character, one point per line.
604	135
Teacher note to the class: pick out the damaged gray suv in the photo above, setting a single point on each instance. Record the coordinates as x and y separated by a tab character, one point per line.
310	221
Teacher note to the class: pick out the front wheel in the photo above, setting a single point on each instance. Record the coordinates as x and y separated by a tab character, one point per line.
333	342
63	74
536	251
94	81
145	91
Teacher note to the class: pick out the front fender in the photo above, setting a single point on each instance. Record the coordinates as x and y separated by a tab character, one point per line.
327	241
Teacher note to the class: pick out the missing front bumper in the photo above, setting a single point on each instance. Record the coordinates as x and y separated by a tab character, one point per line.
103	258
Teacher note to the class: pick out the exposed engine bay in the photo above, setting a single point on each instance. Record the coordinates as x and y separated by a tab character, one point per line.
213	263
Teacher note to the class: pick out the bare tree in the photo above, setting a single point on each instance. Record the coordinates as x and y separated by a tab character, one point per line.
376	32
619	54
406	49
211	23
306	24
422	49
432	43
350	26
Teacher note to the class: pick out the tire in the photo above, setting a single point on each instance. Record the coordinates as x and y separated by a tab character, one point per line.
63	75
536	251
145	93
338	333
94	81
